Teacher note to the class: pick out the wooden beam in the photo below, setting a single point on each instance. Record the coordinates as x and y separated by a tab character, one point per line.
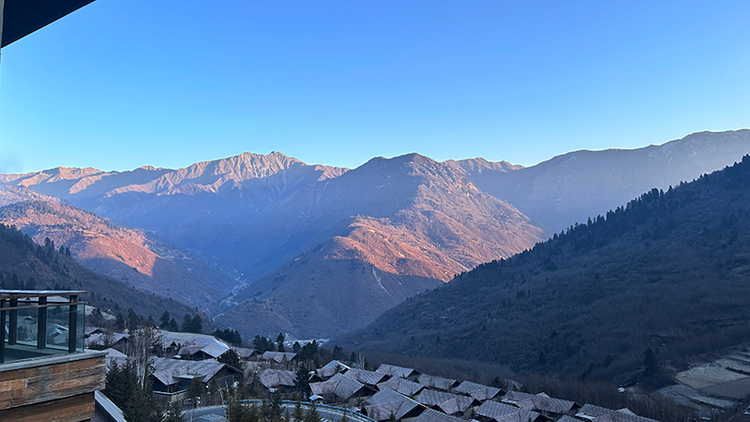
70	409
42	383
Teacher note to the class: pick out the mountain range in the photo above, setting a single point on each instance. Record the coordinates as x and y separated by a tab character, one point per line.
26	264
132	256
279	245
569	188
669	271
371	238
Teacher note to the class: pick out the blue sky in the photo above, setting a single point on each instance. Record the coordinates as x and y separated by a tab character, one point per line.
124	83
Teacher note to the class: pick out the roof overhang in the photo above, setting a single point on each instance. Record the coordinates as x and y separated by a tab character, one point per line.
22	17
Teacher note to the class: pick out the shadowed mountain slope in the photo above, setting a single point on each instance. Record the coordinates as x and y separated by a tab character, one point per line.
128	255
48	268
670	271
572	187
353	246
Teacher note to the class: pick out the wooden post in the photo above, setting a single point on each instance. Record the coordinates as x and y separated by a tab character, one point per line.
72	324
41	324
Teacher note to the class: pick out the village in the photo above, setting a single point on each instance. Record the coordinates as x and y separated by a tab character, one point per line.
197	371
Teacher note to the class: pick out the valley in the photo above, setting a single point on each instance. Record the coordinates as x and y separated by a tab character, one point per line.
266	243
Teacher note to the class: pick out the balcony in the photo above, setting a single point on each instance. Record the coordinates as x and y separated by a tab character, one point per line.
44	372
40	323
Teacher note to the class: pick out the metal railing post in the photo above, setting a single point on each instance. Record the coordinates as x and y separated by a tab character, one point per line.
2	330
13	321
41	328
72	324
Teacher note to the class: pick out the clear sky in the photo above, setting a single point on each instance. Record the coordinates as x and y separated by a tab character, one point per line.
124	83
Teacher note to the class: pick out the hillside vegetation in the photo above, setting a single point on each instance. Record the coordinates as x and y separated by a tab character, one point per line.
131	256
369	239
27	265
670	271
571	187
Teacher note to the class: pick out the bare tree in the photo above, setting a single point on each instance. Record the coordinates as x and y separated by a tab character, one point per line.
142	343
360	361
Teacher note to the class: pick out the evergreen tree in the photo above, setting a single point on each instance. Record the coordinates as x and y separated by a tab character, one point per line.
231	358
262	344
649	361
302	379
122	387
253	414
164	320
275	407
197	324
196	388
234	408
280	342
298	415
132	320
187	323
174	414
119	322
338	353
312	414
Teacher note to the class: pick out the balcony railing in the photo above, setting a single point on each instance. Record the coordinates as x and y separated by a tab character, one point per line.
40	323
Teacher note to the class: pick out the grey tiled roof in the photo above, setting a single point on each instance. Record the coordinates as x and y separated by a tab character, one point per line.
99	340
273	378
602	414
243	352
330	369
403	386
339	385
566	418
364	376
522	416
396	371
478	391
115	356
590	411
387	402
383	411
278	357
539	402
447	402
167	371
169	338
430	415
436	382
505	413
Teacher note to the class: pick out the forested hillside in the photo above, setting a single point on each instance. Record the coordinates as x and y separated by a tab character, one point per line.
670	271
27	265
363	242
132	256
571	187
